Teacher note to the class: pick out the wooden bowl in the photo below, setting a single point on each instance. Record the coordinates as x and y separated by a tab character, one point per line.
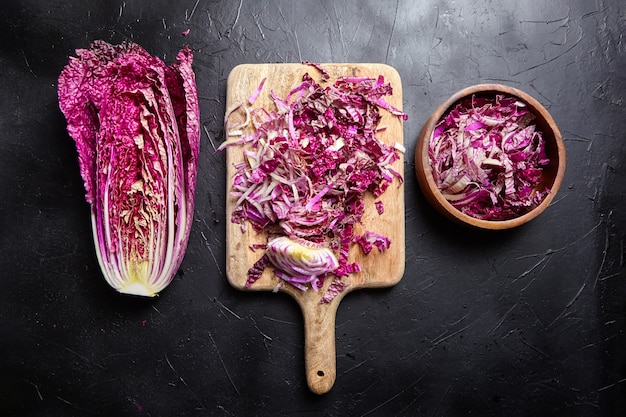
552	175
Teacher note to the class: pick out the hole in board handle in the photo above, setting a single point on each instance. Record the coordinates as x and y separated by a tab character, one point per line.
320	373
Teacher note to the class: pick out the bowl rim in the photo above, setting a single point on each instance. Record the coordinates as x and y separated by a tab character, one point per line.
424	170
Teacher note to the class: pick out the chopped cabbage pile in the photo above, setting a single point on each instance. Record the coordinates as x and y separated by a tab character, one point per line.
487	158
307	167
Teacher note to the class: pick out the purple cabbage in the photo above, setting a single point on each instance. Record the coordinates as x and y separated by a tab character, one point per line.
307	166
487	158
300	261
135	122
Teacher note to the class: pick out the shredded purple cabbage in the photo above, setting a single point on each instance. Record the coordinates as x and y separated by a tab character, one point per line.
487	158
369	240
309	163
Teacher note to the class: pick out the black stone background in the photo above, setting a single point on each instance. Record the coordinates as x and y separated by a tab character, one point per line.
527	322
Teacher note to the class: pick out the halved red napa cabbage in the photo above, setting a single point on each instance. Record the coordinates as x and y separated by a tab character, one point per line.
135	122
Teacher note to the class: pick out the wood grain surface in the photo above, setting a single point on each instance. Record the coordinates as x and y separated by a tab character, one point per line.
378	269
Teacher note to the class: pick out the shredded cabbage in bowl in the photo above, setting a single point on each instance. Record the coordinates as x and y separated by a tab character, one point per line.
487	157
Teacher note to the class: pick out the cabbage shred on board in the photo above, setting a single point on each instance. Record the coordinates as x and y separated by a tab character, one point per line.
306	168
487	158
135	122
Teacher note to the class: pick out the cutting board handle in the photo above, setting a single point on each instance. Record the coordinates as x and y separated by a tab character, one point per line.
319	345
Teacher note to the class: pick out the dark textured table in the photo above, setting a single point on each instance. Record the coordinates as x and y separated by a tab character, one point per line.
527	322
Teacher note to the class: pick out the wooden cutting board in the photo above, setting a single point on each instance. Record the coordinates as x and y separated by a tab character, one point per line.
378	269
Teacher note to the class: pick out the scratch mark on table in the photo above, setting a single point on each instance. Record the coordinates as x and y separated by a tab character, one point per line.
485	403
256	326
580	291
570	244
379	406
122	7
36	389
221	305
553	202
221	407
356	31
459	320
578	138
584	283
232	27
45	259
341	40
588	346
589	14
208	246
617	274
620	381
363	391
295	34
548	22
621	251
531	269
535	348
554	58
411	385
430	284
27	63
193	10
424	353
211	23
604	251
502	319
358	365
202	406
547	259
73	352
255	17
445	394
174	369
291	323
219	356
210	138
393	26
65	401
401	412
444	338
